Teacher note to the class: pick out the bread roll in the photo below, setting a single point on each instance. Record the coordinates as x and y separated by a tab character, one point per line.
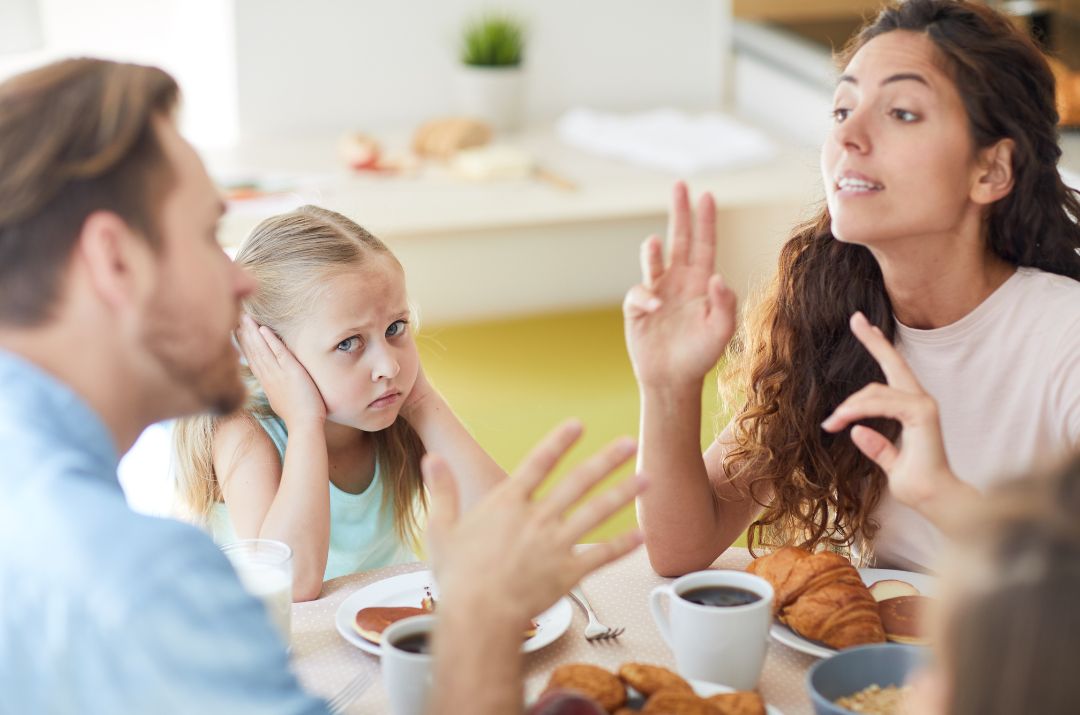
442	138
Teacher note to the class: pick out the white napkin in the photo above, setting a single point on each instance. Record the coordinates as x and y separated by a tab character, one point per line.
667	139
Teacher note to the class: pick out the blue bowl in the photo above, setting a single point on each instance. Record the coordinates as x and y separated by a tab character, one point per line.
851	670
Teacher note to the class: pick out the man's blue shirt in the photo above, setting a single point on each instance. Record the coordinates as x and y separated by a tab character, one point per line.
108	611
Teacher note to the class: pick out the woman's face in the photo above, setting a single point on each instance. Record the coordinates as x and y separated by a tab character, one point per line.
357	345
900	160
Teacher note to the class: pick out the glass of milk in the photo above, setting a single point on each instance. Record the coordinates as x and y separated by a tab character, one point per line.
265	569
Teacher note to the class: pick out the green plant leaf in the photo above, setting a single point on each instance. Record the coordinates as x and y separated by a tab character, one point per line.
493	40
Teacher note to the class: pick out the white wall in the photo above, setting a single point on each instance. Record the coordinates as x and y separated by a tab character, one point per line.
191	39
782	82
260	68
329	65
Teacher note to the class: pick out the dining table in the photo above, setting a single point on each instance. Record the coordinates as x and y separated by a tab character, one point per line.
325	662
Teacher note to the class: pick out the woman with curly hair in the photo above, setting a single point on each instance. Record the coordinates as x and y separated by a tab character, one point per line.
921	335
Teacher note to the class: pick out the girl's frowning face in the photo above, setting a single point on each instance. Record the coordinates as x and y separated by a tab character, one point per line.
357	344
900	159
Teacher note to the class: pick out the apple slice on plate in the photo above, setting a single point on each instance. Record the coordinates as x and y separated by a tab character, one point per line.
891	588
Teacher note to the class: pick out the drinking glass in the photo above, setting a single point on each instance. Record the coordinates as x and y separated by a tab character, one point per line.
264	567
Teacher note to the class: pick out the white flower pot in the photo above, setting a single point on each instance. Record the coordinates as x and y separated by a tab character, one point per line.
494	94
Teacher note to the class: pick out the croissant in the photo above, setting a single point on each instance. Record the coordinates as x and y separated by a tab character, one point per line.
776	568
821	597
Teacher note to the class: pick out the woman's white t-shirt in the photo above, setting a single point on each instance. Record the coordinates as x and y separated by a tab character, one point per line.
1006	378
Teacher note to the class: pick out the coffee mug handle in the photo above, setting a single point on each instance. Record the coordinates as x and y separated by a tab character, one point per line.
658	614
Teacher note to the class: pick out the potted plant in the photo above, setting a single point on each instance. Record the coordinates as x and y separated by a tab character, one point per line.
490	81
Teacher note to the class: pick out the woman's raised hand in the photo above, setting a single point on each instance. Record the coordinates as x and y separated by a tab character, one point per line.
288	386
680	318
918	471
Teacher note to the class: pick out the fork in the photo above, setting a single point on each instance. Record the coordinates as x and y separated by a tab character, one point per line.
595	630
350	692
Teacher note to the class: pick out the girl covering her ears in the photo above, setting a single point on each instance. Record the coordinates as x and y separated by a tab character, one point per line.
326	456
936	293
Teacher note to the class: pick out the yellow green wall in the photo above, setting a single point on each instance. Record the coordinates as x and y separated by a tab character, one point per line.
511	381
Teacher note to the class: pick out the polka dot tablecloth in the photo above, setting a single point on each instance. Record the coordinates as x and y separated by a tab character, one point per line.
325	662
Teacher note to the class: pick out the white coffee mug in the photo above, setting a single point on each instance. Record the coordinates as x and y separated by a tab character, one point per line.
407	676
718	644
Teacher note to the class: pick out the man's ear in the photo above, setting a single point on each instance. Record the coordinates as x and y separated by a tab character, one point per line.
118	262
994	180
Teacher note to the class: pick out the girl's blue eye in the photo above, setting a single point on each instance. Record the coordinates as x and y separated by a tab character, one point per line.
840	114
397	328
348	345
904	115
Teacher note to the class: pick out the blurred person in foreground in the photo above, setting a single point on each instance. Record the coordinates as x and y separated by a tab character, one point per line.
1005	633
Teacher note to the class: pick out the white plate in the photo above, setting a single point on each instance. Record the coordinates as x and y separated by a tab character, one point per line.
408	590
926	585
703	690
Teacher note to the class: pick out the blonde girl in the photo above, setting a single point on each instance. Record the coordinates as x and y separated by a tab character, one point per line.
326	456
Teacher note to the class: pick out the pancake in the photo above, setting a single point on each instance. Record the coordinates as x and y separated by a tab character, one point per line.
903	619
371	622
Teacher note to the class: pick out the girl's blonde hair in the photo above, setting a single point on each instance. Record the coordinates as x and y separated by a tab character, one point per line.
291	256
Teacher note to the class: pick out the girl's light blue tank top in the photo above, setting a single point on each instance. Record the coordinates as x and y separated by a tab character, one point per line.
361	532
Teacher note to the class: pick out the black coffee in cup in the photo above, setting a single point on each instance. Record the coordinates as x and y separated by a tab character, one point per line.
414	643
720	596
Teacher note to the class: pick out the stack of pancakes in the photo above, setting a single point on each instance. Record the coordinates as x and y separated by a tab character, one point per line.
902	610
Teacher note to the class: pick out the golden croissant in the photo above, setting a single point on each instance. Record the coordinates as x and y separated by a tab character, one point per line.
821	597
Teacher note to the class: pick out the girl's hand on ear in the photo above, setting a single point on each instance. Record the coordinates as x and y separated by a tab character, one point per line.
288	386
918	471
680	318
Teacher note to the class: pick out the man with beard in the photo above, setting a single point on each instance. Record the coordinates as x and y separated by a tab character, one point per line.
116	306
116	311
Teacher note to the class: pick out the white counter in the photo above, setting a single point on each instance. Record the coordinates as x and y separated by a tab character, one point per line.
482	250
